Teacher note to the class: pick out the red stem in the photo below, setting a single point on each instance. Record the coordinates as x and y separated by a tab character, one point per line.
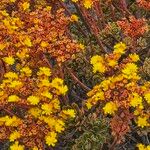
77	80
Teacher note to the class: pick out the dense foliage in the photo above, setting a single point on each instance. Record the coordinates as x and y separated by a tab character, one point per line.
74	74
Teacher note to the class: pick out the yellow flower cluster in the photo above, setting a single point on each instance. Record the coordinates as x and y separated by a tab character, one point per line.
98	64
28	89
31	98
120	90
10	121
9	60
143	147
51	138
17	146
57	83
44	71
14	135
42	102
119	48
142	121
102	63
11	81
110	108
26	43
25	6
130	71
147	97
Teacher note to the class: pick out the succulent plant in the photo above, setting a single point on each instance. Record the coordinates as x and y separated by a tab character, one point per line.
146	67
94	135
89	131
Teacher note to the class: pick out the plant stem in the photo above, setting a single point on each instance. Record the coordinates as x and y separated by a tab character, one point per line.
76	79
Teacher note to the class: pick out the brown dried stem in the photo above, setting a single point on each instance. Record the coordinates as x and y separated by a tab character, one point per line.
76	79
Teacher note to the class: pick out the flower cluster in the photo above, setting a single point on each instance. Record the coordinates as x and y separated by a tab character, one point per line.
36	46
32	113
102	64
144	4
133	28
37	32
120	90
143	147
32	108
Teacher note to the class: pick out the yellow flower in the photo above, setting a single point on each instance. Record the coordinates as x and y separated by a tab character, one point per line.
34	100
87	3
129	69
35	148
112	63
134	57
9	60
119	48
88	105
47	109
74	18
136	100
51	139
13	136
7	23
15	84
99	96
2	120
44	71
51	121
27	42
13	98
143	147
12	121
110	108
105	84
62	90
23	53
25	5
48	8
59	126
99	67
47	94
97	59
56	104
98	64
2	46
44	82
11	75
1	93
136	112
27	71
58	84
81	46
142	121
147	97
57	81
16	146
35	112
4	13
44	44
69	112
